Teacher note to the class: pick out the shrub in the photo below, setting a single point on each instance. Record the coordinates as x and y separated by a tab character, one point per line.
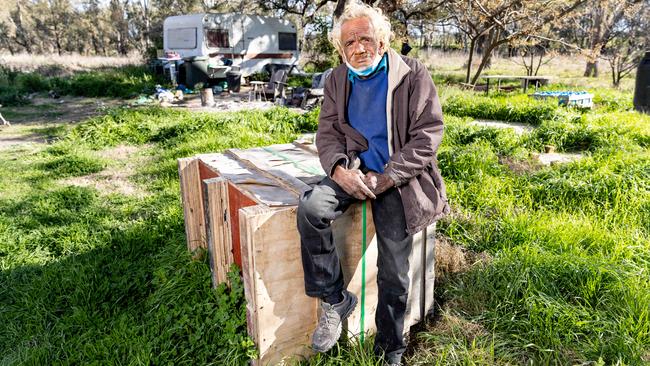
32	82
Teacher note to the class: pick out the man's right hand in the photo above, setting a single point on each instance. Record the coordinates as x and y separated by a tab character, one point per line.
351	180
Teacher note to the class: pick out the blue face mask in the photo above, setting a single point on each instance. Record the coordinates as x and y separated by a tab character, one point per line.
366	71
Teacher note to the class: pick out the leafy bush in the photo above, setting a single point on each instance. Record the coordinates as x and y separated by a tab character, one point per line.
118	83
12	97
32	82
296	81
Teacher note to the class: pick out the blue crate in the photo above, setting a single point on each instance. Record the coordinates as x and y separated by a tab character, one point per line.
579	99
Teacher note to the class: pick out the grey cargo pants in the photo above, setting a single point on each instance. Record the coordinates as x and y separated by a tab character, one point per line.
322	269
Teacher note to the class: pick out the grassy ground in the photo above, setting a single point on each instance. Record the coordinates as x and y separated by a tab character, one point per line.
552	261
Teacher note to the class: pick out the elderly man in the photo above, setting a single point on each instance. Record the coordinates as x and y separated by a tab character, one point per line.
379	128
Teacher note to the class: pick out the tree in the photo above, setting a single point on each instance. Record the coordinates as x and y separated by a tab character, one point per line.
304	11
628	42
533	53
601	20
23	29
502	22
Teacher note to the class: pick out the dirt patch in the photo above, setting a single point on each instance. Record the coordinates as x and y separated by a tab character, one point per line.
452	258
452	324
520	166
10	141
117	177
33	124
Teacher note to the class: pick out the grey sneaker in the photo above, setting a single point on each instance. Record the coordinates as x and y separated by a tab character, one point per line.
328	331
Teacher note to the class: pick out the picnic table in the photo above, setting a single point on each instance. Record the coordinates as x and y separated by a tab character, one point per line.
526	80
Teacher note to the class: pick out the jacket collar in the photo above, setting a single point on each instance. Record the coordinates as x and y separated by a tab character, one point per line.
398	69
396	74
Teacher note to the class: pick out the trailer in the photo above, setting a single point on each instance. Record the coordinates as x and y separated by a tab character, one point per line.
211	45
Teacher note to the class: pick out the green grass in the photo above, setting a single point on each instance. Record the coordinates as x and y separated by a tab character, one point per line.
93	278
90	277
570	244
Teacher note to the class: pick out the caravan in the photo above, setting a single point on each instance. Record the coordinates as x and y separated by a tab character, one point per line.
213	45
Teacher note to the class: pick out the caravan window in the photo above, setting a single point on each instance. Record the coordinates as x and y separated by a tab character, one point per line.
217	38
181	38
288	41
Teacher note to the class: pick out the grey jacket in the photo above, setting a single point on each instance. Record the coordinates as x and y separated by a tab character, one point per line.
414	119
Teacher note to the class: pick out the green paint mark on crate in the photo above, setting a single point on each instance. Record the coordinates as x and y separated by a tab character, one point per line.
363	271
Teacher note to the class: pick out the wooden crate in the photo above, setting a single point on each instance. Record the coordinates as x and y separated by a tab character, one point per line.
241	206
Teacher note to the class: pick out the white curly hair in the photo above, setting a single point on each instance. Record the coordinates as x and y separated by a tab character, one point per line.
378	20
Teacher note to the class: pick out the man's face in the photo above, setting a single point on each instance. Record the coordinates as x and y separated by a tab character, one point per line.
359	43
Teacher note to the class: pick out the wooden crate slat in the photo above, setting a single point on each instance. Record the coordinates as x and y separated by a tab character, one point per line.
218	228
429	270
192	200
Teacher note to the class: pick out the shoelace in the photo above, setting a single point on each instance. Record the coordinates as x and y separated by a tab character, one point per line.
327	316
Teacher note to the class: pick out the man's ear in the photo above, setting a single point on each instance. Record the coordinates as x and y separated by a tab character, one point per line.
381	49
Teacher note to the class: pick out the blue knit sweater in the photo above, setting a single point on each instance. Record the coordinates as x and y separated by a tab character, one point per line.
367	114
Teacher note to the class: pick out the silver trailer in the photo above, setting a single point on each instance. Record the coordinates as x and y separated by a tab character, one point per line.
211	45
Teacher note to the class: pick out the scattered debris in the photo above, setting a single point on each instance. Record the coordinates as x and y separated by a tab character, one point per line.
163	95
580	99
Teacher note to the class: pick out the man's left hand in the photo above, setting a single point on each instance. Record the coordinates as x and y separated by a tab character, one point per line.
378	183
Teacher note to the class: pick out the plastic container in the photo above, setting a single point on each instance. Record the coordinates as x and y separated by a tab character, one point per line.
568	98
234	80
196	71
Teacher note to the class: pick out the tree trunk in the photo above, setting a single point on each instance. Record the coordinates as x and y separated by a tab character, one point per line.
472	42
340	6
592	69
485	60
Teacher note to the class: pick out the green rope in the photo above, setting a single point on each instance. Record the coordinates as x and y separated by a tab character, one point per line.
306	169
363	270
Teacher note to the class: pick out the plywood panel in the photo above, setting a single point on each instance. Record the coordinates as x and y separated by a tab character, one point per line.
295	167
262	188
236	200
281	317
348	233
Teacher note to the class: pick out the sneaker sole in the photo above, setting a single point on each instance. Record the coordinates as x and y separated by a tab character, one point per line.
340	327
